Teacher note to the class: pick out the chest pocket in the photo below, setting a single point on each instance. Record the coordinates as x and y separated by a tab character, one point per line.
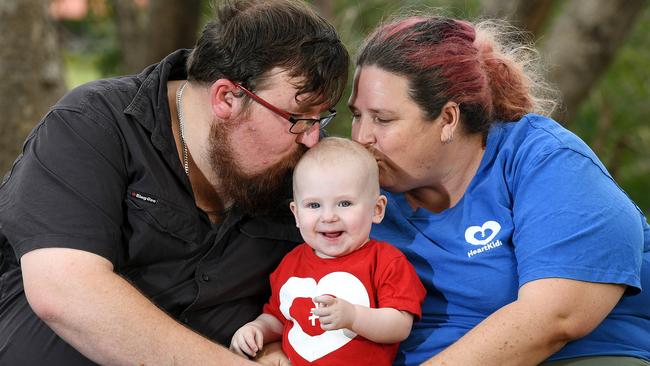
161	245
164	216
156	229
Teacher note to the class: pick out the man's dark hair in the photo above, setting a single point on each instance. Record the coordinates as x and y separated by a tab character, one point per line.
248	38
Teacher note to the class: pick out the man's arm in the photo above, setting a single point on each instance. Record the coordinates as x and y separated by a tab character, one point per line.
105	318
383	325
548	314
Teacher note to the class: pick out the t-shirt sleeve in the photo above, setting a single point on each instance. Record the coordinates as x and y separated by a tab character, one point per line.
399	287
67	188
272	307
573	221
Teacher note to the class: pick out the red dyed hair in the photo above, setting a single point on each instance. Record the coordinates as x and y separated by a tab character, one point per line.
452	60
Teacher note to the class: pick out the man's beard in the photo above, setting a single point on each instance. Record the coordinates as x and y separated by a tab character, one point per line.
264	193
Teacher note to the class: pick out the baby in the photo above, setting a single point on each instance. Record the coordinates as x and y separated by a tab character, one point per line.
340	298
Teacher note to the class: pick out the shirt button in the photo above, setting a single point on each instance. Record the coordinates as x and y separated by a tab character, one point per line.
205	277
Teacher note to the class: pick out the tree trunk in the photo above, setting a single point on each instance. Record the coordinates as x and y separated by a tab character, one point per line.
131	25
149	34
32	72
325	8
528	15
582	43
173	24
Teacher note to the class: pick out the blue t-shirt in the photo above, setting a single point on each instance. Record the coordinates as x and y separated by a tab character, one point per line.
541	205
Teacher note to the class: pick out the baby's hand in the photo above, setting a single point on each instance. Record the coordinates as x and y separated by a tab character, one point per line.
334	313
248	340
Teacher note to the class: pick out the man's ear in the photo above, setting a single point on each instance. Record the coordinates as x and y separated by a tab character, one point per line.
380	209
294	210
450	119
223	98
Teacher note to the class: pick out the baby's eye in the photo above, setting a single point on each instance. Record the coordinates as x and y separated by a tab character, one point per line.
345	204
313	205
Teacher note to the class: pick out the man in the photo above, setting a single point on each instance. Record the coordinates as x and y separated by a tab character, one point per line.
141	222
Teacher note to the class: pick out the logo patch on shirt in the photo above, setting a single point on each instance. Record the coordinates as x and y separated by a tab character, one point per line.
142	197
483	236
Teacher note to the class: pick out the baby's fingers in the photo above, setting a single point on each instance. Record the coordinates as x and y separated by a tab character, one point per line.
250	346
259	339
236	347
326	300
254	343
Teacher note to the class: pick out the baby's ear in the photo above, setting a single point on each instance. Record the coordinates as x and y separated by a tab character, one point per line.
294	210
380	209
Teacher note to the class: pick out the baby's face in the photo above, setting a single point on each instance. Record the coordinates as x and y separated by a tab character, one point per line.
335	208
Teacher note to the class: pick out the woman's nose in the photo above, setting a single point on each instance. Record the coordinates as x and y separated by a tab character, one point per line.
362	133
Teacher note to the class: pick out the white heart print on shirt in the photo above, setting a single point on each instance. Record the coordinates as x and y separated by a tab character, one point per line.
491	227
340	284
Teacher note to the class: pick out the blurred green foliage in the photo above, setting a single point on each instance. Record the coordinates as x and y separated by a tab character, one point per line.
612	120
90	48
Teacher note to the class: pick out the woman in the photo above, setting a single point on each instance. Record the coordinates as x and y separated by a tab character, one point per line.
528	248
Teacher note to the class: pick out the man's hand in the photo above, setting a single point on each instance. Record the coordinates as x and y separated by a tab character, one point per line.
248	340
334	313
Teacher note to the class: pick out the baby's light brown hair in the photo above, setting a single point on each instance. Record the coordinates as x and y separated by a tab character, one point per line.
337	151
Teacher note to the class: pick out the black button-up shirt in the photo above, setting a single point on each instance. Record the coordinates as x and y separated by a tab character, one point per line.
101	173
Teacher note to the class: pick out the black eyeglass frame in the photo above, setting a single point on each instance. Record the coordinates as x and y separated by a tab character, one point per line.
298	125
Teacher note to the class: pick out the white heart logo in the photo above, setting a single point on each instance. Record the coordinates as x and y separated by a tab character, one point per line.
471	233
340	284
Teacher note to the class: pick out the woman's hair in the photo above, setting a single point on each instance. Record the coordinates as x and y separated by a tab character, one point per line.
484	67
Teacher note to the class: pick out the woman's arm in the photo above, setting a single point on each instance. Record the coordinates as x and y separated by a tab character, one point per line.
383	325
547	314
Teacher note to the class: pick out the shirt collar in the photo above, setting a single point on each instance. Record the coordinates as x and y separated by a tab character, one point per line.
150	106
153	91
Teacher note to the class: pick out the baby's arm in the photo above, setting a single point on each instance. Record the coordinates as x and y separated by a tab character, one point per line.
383	325
251	337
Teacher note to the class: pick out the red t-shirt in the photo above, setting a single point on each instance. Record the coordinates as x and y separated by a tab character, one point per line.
376	275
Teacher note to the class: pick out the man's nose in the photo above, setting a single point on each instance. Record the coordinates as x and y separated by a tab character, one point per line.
309	138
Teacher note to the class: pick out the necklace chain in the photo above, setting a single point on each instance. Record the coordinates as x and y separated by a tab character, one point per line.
181	126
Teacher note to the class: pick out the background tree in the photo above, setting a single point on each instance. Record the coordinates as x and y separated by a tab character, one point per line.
150	31
530	15
582	43
31	72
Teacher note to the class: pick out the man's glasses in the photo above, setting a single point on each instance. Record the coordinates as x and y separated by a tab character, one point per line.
298	125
